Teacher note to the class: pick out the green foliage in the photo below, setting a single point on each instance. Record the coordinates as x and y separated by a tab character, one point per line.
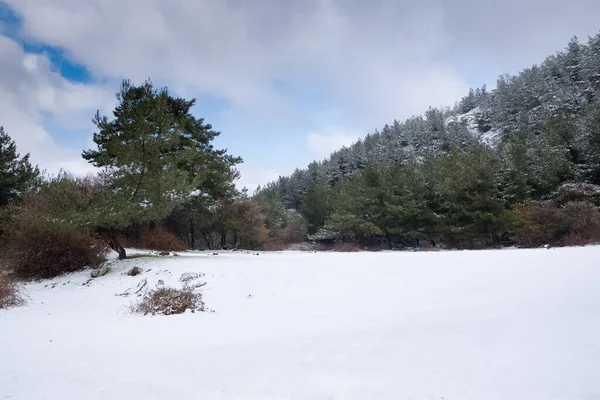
154	154
534	167
316	206
242	218
16	172
383	200
465	196
273	209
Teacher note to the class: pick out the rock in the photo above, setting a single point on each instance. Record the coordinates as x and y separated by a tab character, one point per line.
135	271
100	272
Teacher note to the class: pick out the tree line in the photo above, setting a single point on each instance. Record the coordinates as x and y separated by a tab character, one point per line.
479	174
159	176
516	165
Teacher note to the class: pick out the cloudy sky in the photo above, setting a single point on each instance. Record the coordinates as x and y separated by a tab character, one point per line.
285	81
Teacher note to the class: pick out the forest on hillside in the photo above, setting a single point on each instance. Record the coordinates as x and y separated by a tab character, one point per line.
518	164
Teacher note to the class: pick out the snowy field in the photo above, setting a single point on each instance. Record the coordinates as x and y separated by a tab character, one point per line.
512	324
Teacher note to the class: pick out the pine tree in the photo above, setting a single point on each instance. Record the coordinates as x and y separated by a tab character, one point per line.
154	154
316	206
16	172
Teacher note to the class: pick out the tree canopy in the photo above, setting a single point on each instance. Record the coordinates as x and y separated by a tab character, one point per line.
16	172
154	155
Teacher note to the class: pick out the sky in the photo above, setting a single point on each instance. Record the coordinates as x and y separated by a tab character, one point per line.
285	81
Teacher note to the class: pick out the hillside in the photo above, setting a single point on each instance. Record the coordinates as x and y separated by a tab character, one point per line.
514	324
560	87
535	132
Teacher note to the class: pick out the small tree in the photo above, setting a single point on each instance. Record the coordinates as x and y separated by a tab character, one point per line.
16	172
154	154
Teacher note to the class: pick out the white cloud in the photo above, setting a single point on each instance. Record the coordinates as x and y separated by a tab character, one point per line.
253	175
374	61
323	144
32	96
367	57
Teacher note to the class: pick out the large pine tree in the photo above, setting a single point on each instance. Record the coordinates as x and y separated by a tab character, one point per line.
154	154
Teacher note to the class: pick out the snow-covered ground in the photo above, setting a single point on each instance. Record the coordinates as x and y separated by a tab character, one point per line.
513	324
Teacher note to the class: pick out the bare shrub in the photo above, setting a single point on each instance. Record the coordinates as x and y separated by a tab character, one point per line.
432	249
9	293
293	231
307	246
39	251
346	247
164	300
375	248
275	245
575	223
584	223
158	239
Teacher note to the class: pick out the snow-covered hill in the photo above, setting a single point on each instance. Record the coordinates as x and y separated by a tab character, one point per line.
514	324
470	120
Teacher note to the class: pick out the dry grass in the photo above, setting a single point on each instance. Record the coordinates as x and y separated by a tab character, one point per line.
9	293
346	247
164	300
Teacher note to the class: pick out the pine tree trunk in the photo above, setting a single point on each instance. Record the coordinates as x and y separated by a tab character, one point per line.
113	241
389	238
223	239
192	230
236	239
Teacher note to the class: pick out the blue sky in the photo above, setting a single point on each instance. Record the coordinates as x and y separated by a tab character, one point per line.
285	82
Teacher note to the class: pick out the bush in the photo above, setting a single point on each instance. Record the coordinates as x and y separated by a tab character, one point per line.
9	293
275	245
576	192
164	300
346	247
158	239
584	223
38	251
537	224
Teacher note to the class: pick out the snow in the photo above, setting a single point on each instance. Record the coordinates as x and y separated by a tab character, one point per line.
511	324
491	138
